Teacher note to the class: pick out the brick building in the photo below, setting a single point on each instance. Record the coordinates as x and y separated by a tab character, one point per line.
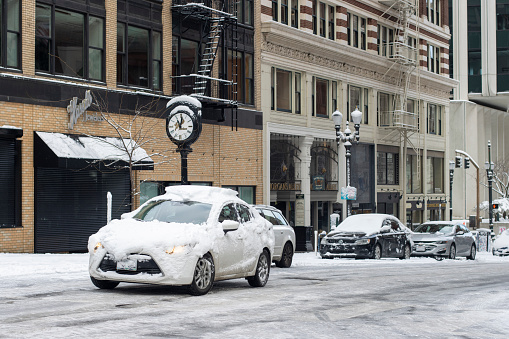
129	57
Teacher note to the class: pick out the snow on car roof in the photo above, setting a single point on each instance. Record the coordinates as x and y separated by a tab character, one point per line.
365	223
207	194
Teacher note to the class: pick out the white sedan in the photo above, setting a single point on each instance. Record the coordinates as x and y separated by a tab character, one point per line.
192	235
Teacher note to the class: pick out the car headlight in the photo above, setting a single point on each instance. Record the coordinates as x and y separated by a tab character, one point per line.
98	246
362	241
442	242
183	249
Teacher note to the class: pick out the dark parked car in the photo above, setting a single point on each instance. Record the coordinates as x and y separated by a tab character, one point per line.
443	239
368	236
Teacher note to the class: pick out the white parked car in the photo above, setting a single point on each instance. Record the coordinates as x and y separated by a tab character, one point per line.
192	235
284	245
501	244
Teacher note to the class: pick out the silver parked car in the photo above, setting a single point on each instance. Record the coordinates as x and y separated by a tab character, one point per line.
443	239
284	244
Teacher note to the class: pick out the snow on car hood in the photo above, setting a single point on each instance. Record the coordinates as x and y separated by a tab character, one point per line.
123	237
360	223
502	240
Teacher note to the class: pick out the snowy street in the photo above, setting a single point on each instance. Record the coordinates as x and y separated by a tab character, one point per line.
51	296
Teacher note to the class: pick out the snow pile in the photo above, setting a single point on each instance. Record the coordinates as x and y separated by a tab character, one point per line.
502	240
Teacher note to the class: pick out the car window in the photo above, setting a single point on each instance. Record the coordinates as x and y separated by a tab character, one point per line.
228	213
267	214
457	229
395	226
244	213
465	229
279	216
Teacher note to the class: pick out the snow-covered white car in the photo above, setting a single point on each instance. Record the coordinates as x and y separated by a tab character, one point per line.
284	245
192	235
501	244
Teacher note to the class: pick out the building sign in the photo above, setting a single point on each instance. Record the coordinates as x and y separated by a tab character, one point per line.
348	193
318	183
76	110
300	219
285	186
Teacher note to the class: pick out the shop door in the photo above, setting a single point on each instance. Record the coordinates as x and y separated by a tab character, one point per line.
71	205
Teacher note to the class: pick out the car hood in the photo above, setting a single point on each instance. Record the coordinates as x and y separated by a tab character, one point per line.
501	241
430	236
123	237
340	234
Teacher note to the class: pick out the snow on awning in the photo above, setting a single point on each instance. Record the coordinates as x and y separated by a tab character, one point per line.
78	152
7	131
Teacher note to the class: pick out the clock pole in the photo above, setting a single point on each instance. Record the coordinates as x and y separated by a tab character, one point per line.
184	150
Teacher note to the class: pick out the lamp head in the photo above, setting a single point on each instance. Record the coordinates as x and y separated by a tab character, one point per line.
451	165
337	117
356	116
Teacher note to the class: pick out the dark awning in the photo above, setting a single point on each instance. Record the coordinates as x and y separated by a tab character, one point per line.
10	132
71	151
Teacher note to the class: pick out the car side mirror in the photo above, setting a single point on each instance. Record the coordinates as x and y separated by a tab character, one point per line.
385	229
230	225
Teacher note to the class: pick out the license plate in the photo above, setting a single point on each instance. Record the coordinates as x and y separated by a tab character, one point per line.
420	248
127	265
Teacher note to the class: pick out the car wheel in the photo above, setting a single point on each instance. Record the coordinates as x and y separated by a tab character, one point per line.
472	253
286	256
104	284
452	252
262	271
406	252
377	252
204	274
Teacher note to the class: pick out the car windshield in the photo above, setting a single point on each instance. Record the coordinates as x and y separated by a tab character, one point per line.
175	211
434	228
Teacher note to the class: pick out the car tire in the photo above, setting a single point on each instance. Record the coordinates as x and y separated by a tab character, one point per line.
377	252
406	252
104	284
286	256
203	276
452	252
473	252
262	271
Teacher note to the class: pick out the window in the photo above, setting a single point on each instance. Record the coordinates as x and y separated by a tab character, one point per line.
322	19
385	109
246	193
275	13
385	41
358	98
295	14
138	51
139	43
69	42
331	22
183	63
387	168
244	213
434	119
503	47
245	74
435	180
433	11
284	12
433	59
10	33
356	31
321	95
414	181
314	16
228	213
474	46
245	12
282	88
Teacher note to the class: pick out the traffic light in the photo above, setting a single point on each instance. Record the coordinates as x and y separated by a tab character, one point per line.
458	161
467	163
495	206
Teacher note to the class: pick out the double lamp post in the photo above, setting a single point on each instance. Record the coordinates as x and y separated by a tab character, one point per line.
346	138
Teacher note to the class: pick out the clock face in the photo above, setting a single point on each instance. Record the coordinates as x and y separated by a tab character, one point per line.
180	126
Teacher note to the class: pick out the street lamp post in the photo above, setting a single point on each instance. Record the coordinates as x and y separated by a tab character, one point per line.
451	175
346	138
490	166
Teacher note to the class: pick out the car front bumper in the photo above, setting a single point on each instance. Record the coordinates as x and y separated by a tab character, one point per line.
501	251
430	250
346	251
160	269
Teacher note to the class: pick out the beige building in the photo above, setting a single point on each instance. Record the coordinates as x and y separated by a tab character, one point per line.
390	60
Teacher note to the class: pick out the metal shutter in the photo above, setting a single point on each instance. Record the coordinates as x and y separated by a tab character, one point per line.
7	182
71	205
